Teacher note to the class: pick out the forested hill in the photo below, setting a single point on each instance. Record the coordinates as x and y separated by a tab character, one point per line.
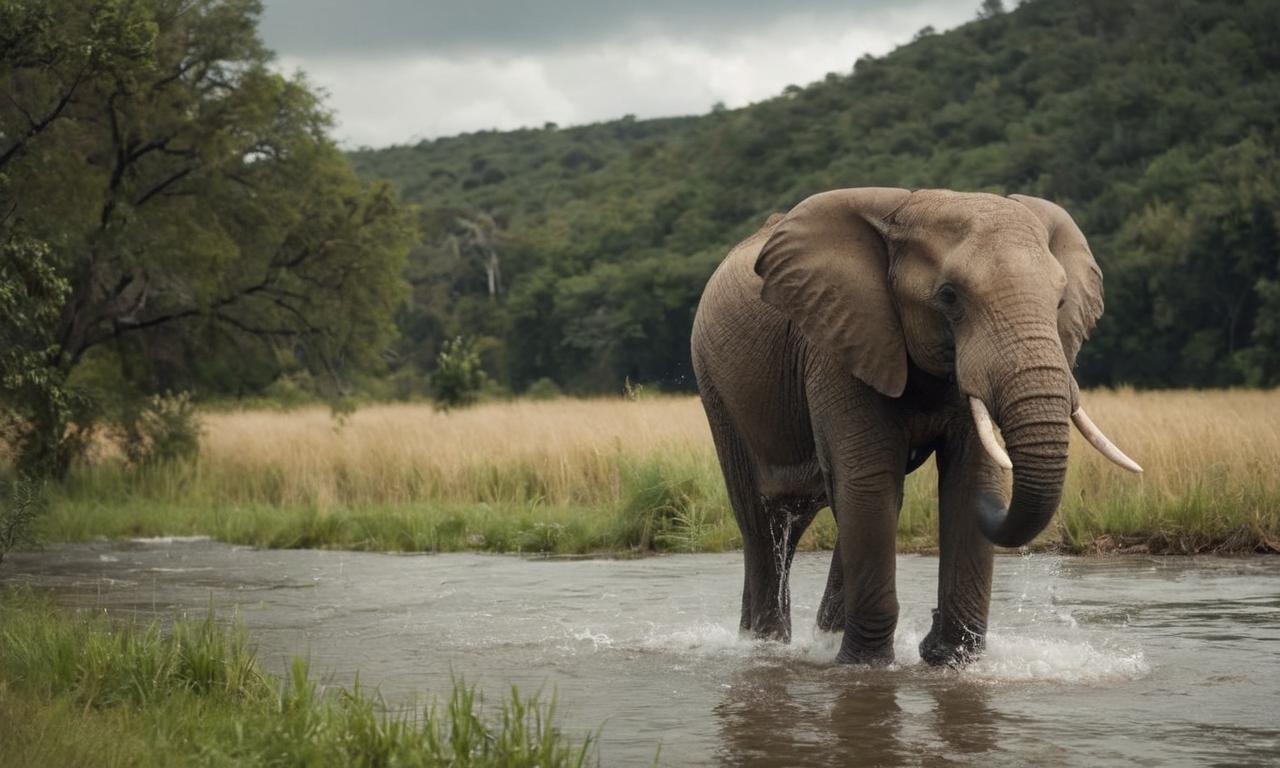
578	254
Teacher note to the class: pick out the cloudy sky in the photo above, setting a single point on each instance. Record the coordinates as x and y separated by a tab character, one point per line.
401	70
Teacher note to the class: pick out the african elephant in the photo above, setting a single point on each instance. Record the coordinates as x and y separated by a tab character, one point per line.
845	342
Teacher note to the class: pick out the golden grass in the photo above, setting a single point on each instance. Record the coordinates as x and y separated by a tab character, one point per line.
1210	460
555	452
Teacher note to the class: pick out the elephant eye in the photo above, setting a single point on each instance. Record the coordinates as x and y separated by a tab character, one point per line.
1062	302
946	295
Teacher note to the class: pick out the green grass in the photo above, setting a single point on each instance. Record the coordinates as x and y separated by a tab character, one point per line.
82	690
662	506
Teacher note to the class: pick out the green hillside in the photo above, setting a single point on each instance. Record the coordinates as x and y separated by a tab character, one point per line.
578	254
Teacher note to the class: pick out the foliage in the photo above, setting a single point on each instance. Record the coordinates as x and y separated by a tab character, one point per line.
133	694
22	502
458	378
202	228
160	430
1152	121
32	385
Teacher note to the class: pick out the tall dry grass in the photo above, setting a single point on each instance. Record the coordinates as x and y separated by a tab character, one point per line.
557	452
1210	460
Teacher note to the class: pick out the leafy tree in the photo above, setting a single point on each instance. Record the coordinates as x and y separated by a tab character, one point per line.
990	8
32	294
205	226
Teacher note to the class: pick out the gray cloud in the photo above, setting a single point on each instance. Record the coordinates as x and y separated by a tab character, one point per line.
388	27
397	70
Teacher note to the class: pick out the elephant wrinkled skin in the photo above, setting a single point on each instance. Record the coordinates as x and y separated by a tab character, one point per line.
847	341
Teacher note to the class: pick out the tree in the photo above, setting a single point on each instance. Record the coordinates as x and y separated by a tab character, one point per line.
990	9
190	197
478	236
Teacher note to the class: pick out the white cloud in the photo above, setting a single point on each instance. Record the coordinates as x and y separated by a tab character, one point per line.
404	96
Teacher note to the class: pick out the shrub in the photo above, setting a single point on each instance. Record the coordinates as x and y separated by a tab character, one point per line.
163	429
458	378
543	389
21	502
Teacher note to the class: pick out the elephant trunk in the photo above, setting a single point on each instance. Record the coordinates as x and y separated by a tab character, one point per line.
1034	413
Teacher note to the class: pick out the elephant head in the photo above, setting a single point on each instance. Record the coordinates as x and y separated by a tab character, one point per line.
994	293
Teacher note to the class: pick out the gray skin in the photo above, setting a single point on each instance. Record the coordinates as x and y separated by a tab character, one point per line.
836	350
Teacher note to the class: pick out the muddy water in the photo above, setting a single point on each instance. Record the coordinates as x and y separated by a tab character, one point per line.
1090	661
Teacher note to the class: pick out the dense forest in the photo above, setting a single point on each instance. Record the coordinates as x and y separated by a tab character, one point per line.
577	255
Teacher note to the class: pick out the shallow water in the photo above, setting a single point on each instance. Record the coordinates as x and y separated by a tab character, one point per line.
1090	661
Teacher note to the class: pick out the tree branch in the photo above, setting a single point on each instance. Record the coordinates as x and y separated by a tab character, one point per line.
168	182
35	128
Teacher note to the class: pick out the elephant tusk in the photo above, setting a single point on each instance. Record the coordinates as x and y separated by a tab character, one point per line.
987	434
1101	442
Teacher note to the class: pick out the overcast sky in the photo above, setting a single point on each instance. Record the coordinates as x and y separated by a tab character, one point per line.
401	70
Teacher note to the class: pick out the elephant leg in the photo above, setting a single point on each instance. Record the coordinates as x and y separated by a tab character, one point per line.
862	444
768	552
831	609
965	473
771	527
868	528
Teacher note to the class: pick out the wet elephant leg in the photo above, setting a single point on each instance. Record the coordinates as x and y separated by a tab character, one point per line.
770	526
768	552
965	473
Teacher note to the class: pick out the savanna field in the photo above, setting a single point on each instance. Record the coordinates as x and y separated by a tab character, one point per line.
633	476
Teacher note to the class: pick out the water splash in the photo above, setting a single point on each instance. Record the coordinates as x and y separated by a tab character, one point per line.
1062	654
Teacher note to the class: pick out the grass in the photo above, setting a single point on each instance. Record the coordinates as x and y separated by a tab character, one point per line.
81	690
574	476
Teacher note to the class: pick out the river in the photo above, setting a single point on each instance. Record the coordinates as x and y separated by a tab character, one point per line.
1090	661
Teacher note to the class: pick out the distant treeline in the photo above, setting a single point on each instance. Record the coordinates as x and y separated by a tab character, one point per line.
578	254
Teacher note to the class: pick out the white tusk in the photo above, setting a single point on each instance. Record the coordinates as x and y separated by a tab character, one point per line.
987	434
1100	441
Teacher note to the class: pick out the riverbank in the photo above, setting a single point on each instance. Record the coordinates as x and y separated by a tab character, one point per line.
79	689
607	475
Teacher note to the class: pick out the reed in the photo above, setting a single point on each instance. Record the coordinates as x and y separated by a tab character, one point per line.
608	474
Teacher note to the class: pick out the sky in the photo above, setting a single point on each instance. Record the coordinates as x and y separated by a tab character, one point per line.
398	71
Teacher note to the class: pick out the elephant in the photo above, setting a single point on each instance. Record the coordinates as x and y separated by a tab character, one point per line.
847	341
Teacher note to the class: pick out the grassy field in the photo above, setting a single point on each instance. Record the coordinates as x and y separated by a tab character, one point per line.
81	690
573	476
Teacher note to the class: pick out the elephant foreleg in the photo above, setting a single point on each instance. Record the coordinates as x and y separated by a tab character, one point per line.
868	526
831	610
965	473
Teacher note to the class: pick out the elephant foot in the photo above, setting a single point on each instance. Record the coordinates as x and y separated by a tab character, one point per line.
951	643
870	649
768	627
775	635
881	657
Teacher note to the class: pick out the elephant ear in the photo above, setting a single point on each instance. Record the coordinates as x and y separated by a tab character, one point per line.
826	266
1082	304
